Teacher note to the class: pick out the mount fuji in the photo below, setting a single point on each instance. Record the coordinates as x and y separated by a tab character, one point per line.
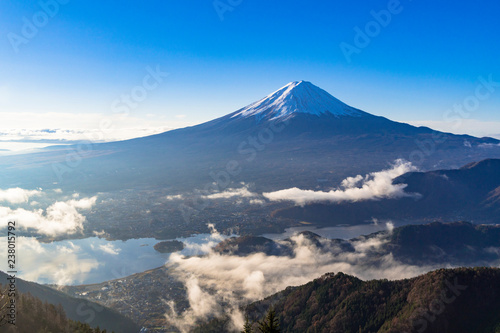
297	97
300	135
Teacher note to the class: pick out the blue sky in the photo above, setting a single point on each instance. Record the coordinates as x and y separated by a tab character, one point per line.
84	55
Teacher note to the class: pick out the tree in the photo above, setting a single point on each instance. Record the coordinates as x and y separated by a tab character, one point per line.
270	323
4	301
247	328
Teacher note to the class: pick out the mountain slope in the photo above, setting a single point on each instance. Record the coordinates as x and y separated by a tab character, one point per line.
457	300
33	315
469	193
456	244
433	244
293	137
297	97
77	309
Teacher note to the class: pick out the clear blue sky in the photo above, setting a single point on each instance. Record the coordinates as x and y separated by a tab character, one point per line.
426	59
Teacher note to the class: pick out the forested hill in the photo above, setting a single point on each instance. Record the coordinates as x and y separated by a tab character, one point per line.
77	309
34	316
454	300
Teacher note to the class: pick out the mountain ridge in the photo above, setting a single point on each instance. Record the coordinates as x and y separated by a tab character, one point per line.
77	309
471	192
291	151
446	300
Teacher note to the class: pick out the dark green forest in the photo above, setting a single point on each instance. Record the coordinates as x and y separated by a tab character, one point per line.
461	300
35	316
454	300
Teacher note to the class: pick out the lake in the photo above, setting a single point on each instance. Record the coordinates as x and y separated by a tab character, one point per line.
95	260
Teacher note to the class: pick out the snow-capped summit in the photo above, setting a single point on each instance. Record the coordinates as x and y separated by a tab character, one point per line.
322	138
297	97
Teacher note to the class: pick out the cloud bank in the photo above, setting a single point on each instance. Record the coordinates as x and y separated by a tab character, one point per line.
59	218
374	186
242	192
41	129
60	264
218	285
472	127
18	195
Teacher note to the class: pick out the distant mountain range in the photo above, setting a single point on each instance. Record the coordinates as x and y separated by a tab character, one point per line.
297	136
457	244
445	244
469	193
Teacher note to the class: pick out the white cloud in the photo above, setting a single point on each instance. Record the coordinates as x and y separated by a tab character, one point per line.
242	192
68	249
100	234
30	244
85	203
219	284
62	217
18	195
230	193
257	202
38	129
61	264
376	185
462	126
489	145
109	249
174	197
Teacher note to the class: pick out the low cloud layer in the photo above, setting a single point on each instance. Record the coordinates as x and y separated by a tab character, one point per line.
59	218
62	217
473	127
218	284
18	195
48	128
242	192
59	264
489	145
174	197
374	186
